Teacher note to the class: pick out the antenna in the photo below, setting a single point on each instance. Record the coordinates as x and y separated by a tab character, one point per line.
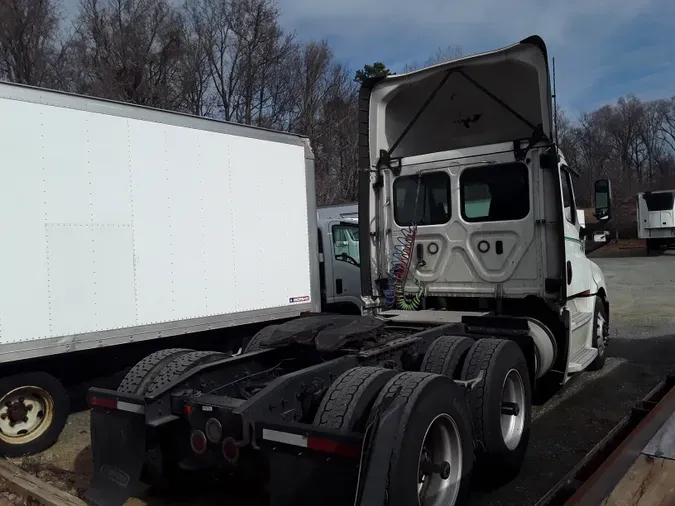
555	109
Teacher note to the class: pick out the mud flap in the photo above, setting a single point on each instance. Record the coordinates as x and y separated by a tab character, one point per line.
372	487
118	450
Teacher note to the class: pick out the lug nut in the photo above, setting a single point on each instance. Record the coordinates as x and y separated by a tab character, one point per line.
443	469
510	408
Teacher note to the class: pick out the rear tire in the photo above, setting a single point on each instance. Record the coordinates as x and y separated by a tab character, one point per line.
34	408
254	344
346	404
446	356
435	426
501	438
139	377
156	371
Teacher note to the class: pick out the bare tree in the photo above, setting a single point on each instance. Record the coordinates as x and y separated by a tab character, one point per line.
30	51
195	72
130	50
263	46
213	21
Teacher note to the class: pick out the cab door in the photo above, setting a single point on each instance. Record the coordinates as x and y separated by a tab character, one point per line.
578	273
346	262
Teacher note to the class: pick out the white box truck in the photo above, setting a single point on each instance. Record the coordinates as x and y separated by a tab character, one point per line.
656	218
123	224
478	299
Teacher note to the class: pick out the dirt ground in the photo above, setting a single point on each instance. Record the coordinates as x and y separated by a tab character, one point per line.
66	465
642	350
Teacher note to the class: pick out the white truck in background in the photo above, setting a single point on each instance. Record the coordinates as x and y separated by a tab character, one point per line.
478	298
656	218
122	224
339	262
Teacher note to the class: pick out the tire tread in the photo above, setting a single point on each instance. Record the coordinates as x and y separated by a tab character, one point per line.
446	354
336	409
479	358
133	380
178	366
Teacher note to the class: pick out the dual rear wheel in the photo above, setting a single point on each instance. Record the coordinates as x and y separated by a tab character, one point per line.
500	404
432	455
432	459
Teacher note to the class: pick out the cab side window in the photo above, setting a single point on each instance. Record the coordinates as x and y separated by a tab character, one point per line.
569	208
346	243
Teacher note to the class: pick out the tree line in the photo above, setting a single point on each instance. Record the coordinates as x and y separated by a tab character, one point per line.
231	59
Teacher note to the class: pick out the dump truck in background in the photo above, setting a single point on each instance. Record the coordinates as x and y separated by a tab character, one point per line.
656	218
122	224
478	299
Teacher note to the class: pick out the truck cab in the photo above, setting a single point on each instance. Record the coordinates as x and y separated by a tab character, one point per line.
339	263
467	206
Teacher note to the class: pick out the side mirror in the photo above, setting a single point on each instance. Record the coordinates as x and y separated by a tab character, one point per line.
603	199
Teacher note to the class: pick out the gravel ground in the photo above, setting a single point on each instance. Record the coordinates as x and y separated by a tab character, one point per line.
563	430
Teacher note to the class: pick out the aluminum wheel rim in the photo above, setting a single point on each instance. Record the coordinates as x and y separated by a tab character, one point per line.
600	332
442	443
25	414
513	392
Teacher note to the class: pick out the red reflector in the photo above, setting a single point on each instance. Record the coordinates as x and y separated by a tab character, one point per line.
188	410
103	402
230	450
335	447
198	442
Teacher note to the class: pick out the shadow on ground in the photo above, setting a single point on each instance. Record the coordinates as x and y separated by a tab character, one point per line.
657	351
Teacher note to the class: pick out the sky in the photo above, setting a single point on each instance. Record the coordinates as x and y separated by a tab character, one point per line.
603	49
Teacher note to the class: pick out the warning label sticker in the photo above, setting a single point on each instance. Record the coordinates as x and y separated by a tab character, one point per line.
294	300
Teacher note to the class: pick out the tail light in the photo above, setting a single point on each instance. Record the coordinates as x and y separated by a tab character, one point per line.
230	450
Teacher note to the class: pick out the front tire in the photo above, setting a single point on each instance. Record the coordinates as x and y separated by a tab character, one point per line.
34	408
600	326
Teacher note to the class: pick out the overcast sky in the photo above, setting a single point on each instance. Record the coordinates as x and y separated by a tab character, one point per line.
604	49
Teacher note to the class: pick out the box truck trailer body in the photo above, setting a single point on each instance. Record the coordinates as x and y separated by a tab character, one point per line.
656	218
122	223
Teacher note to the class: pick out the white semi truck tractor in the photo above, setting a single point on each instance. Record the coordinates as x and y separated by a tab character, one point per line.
477	294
